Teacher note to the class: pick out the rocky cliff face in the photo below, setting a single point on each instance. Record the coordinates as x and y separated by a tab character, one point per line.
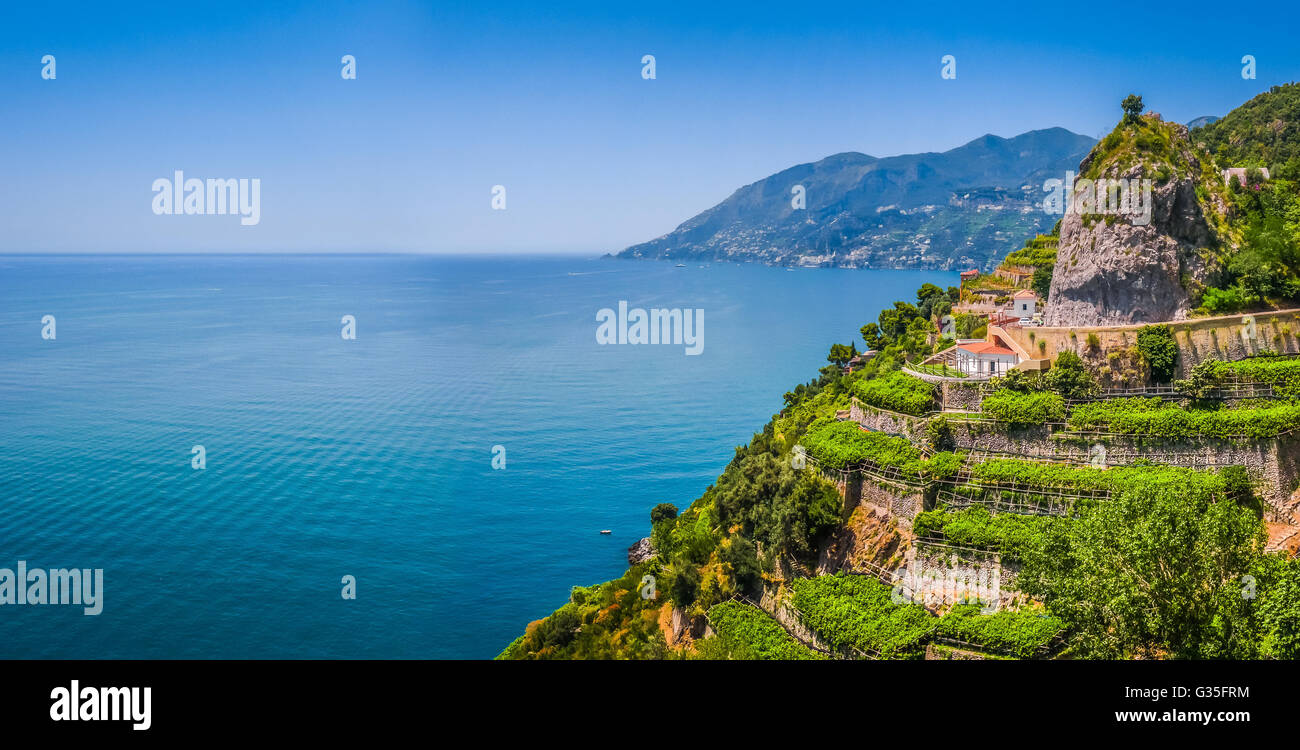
640	552
1112	271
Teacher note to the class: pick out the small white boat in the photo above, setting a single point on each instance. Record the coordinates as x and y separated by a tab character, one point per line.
606	531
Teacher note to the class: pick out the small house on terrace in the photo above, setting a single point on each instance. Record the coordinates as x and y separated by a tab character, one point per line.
1024	304
986	358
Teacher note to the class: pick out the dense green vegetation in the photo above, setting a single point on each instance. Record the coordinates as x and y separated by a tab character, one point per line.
767	501
1068	379
1157	418
902	333
1038	252
1154	571
1283	373
858	611
1022	633
1017	407
1264	132
1159	350
745	632
840	354
586	627
1271	627
897	392
1119	478
861	612
976	527
837	445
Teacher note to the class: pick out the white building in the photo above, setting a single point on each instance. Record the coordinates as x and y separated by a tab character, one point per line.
1024	304
1240	173
985	358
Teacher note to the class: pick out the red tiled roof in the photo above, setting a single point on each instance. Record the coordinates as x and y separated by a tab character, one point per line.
1025	294
984	347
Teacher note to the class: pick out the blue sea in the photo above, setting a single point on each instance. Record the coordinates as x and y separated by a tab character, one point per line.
372	457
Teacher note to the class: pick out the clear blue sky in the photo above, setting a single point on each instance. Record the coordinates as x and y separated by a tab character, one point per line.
547	99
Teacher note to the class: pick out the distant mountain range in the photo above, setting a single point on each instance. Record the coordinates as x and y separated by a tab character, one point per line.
962	208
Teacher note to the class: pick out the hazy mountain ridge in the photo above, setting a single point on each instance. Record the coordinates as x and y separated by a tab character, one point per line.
962	207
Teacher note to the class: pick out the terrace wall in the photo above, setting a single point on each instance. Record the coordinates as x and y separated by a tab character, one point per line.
898	500
960	395
1228	337
892	422
998	437
933	570
1274	464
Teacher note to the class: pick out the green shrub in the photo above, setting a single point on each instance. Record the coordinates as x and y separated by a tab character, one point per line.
1158	348
1010	533
897	392
1016	407
1156	418
1226	301
837	445
1020	633
1070	378
749	633
859	611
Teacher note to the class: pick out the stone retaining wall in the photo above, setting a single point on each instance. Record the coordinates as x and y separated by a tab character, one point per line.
1228	337
899	501
772	603
992	436
1273	464
962	395
892	422
942	576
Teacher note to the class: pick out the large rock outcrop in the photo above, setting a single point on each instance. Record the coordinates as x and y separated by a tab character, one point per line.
1110	270
640	552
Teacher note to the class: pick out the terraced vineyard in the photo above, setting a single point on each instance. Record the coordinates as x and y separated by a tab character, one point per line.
746	632
858	612
1025	633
